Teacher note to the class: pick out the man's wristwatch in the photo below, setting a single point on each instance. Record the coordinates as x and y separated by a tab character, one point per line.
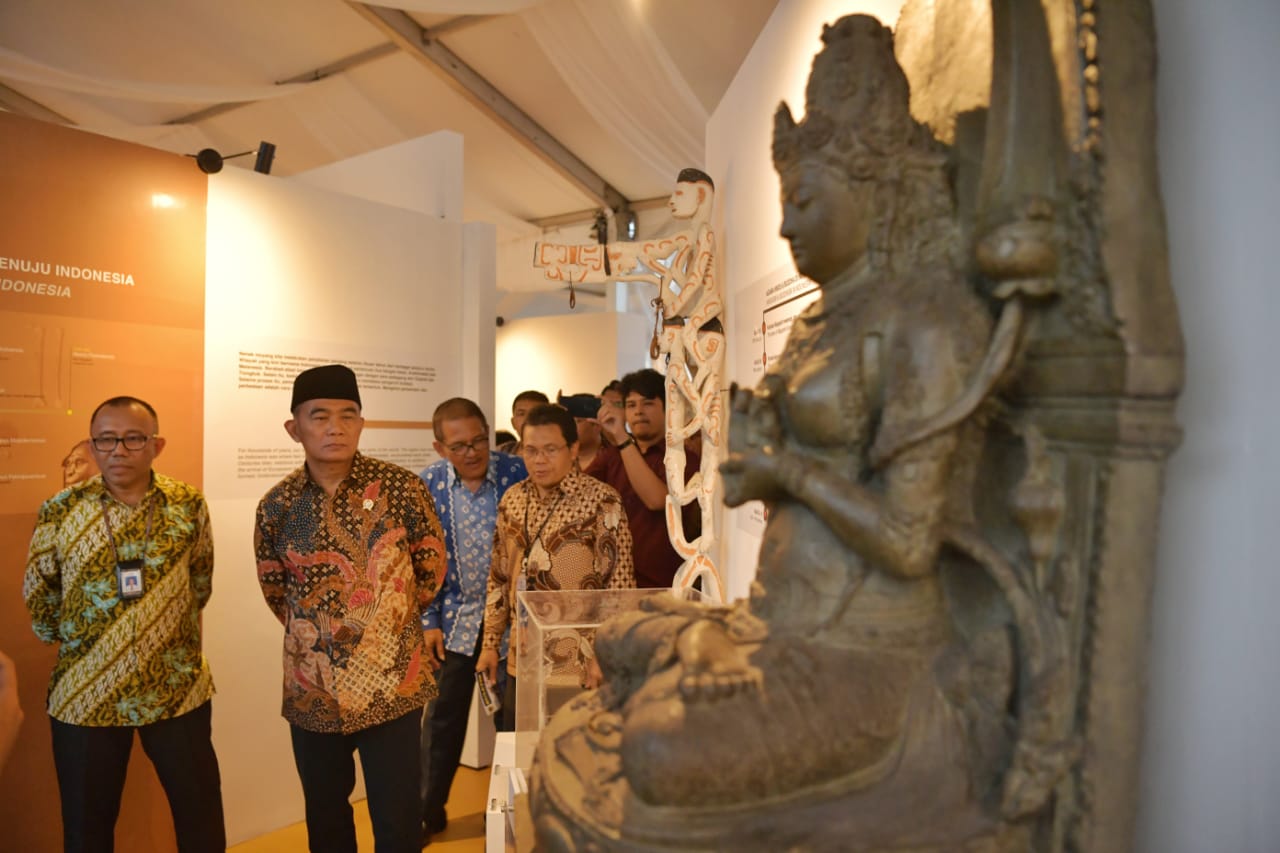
626	444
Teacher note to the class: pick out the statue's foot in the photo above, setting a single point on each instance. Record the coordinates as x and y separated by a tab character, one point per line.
712	665
719	681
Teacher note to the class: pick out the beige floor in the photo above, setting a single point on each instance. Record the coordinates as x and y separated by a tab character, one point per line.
464	834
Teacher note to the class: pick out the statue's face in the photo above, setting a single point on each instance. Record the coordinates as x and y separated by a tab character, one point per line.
825	218
685	200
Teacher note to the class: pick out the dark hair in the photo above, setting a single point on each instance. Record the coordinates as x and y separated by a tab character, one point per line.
504	436
694	176
648	383
550	413
530	397
614	385
121	402
455	409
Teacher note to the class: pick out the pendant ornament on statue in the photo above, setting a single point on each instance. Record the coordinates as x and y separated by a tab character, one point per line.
655	348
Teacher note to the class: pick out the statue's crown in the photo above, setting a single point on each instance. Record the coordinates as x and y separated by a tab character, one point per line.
857	101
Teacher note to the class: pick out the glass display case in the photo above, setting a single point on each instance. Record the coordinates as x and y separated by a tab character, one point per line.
553	645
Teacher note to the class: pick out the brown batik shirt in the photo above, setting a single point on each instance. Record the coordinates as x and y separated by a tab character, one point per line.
350	577
575	539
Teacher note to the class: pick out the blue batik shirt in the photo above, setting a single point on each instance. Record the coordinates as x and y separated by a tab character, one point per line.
468	520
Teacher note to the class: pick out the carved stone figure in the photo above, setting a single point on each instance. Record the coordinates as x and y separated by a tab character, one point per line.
689	337
918	666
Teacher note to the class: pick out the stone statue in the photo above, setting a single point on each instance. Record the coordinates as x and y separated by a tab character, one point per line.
689	338
909	670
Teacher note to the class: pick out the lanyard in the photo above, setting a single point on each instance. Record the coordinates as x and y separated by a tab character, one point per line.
529	543
111	534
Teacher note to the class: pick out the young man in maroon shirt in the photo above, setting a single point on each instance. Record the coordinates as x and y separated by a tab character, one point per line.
633	464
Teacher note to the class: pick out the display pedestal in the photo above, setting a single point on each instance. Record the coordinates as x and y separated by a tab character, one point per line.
497	834
524	834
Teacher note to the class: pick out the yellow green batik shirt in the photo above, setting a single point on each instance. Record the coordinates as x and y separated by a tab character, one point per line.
122	662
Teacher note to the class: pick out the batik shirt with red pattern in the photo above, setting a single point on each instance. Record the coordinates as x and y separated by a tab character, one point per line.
350	576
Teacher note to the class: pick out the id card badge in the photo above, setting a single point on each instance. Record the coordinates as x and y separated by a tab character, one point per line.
129	578
489	700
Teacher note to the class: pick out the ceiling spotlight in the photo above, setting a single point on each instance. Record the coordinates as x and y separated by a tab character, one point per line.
210	161
266	153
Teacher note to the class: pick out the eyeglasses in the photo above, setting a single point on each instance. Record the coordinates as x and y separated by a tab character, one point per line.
132	441
476	445
540	452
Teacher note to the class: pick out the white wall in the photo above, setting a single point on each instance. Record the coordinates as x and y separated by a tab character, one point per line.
1211	768
422	174
298	270
575	353
425	175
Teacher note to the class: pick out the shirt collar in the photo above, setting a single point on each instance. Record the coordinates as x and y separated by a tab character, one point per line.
566	487
96	488
490	475
358	464
660	444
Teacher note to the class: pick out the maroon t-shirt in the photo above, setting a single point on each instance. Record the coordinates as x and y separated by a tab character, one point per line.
655	560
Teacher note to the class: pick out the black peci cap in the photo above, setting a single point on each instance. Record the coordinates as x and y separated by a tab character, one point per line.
327	382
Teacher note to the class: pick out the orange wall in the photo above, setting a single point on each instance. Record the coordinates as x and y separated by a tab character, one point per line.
84	202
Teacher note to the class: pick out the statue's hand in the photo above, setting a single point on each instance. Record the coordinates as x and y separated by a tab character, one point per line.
755	420
753	475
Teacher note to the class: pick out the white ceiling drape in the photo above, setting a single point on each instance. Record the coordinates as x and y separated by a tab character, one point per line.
644	103
457	7
17	67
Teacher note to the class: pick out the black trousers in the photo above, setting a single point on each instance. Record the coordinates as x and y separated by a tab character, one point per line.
445	731
327	768
91	762
506	718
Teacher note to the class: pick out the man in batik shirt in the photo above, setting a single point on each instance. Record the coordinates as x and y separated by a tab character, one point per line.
466	485
349	556
120	567
558	530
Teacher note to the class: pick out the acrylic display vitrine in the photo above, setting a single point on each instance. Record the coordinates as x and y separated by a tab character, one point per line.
553	645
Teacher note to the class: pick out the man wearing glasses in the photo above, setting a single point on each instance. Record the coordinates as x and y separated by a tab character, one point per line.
466	484
119	568
557	530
